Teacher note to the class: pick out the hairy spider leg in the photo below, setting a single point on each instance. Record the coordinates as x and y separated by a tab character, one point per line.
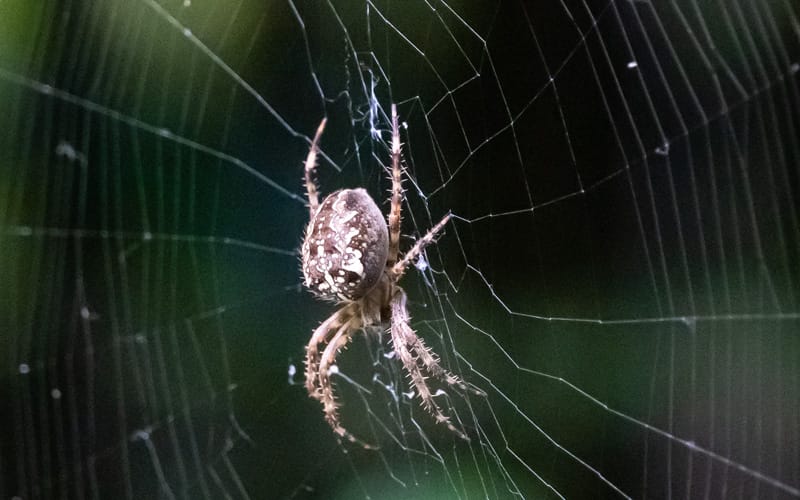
330	406
400	268
320	336
327	398
406	344
310	166
397	194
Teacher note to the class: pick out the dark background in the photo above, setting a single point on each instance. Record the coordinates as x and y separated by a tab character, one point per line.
620	277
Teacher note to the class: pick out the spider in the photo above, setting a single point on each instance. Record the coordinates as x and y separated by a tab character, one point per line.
351	257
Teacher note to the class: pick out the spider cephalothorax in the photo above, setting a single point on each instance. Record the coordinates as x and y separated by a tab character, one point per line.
351	256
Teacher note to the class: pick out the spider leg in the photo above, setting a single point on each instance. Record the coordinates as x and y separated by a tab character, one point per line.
323	332
409	348
397	193
399	268
326	395
427	358
430	362
330	406
310	165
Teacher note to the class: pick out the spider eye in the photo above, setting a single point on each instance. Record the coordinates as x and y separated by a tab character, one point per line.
345	247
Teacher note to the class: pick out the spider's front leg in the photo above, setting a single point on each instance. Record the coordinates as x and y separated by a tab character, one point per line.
320	336
417	359
326	364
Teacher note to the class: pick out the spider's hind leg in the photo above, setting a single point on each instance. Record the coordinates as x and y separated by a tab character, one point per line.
396	204
310	166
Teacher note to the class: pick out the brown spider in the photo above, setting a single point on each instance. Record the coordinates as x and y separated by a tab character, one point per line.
351	257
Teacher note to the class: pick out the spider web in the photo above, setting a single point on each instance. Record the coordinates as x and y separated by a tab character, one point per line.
620	275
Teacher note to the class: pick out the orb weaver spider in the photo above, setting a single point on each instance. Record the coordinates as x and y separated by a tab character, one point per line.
351	255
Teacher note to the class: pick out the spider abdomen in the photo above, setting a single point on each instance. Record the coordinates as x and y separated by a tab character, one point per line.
345	247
